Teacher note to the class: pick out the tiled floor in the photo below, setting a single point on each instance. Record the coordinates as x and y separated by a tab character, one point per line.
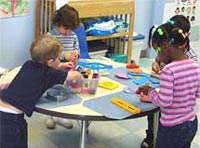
107	134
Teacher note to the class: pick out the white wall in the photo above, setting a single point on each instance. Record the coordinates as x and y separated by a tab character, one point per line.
16	36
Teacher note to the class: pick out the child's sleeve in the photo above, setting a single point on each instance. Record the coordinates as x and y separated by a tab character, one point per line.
198	89
164	97
56	77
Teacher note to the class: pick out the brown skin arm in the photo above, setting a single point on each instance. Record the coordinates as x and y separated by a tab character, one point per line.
144	93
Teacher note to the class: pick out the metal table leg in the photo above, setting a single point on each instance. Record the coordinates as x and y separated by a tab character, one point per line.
83	131
155	126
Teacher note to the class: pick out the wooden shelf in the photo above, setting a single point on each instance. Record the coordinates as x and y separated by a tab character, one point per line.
91	38
96	8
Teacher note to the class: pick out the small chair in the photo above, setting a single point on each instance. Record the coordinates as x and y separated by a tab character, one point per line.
80	32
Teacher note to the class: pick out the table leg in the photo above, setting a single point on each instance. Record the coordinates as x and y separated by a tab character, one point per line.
155	126
83	130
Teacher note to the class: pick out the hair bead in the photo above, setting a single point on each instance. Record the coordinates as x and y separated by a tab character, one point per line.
171	22
171	42
160	31
158	49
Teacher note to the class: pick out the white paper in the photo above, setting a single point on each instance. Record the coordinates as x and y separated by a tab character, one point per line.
60	3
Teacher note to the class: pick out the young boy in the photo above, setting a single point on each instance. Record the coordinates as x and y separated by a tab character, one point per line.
65	21
32	80
179	89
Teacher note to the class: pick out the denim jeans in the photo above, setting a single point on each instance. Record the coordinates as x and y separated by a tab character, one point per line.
179	136
13	131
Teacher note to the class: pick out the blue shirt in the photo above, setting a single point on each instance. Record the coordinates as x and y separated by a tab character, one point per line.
29	84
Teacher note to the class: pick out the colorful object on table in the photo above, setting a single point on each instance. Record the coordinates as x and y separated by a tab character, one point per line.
132	66
87	73
125	105
104	72
128	90
122	76
108	85
94	65
144	78
80	69
135	70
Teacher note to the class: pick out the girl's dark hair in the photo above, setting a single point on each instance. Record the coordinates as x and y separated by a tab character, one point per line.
67	17
183	23
177	21
171	34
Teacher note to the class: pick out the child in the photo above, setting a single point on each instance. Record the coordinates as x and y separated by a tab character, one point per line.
65	21
32	80
179	88
183	23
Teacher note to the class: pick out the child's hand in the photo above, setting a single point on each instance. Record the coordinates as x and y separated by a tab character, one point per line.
144	89
156	67
74	75
71	55
144	98
66	66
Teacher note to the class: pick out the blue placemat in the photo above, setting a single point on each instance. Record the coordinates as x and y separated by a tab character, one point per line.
130	82
47	103
104	106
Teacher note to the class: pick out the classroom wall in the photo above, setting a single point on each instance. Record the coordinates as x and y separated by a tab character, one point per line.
16	36
145	17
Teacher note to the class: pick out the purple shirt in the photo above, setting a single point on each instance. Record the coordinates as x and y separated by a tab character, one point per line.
179	89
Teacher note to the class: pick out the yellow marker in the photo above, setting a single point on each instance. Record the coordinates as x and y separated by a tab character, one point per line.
123	104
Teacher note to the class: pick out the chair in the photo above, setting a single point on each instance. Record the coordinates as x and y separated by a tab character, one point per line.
80	32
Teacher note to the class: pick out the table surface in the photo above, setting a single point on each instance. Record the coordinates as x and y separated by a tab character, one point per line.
79	111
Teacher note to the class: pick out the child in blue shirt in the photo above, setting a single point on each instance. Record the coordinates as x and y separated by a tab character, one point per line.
33	79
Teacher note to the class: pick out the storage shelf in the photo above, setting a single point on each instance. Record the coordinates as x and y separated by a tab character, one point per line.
96	8
91	38
86	9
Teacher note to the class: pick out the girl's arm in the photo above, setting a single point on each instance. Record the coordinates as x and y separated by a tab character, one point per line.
164	97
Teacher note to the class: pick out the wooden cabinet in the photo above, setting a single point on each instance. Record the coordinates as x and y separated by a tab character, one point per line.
90	8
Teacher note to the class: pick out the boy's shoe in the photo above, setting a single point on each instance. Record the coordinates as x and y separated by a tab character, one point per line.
64	122
146	143
50	123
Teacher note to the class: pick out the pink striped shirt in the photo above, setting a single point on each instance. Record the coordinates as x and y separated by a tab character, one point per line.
179	89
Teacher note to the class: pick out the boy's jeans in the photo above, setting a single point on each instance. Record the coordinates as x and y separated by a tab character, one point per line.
179	136
13	129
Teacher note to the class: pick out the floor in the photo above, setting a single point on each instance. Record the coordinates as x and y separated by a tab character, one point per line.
117	134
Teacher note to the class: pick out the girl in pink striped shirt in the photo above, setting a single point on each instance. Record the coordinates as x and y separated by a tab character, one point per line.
179	89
